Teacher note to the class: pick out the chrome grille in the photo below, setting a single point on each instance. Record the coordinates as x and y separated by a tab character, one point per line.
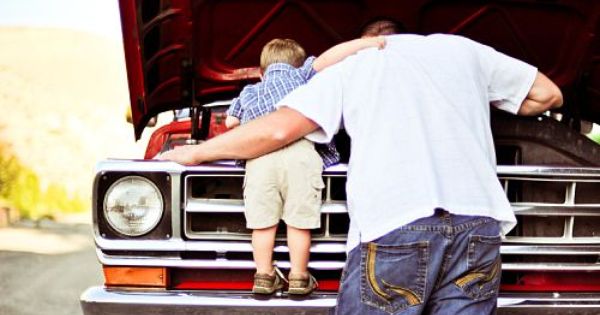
214	209
558	214
553	206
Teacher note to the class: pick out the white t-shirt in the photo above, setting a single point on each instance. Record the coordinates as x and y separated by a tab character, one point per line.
418	115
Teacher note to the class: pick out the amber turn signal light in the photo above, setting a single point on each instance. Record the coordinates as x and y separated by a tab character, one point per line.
136	276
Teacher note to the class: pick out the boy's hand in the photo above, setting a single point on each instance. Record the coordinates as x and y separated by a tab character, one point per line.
378	41
231	122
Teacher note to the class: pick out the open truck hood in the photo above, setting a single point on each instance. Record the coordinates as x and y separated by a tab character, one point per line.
185	52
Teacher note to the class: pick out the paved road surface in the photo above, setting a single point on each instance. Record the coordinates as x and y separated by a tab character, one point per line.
44	270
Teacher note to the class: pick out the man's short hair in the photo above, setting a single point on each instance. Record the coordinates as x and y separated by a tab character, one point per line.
381	26
282	51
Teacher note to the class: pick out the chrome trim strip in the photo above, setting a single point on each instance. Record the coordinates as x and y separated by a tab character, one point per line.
556	179
521	170
548	209
247	247
236	237
145	245
177	262
194	205
549	250
551	266
197	205
176	206
562	240
124	165
215	246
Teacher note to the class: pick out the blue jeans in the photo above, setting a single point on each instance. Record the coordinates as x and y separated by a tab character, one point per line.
443	264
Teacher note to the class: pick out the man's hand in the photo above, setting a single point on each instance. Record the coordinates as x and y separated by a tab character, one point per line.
184	155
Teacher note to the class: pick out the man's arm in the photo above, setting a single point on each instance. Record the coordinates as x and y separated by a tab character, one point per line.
543	95
339	52
257	137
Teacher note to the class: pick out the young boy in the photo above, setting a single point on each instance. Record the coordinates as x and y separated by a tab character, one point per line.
286	184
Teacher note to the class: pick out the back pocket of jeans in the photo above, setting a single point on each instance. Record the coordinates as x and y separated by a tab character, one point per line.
393	276
482	278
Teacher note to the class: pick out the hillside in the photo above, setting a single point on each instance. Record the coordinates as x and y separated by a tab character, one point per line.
63	95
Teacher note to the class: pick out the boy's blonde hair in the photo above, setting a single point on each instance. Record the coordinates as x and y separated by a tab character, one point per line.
282	50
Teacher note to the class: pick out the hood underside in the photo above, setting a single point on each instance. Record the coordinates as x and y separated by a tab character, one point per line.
185	52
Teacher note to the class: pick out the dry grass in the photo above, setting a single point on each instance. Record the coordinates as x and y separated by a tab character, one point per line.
63	95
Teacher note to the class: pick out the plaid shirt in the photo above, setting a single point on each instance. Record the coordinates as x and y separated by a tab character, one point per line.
259	99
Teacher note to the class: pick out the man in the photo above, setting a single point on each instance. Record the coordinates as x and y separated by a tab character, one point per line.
426	208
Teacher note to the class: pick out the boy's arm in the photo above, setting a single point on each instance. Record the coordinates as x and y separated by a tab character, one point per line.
338	52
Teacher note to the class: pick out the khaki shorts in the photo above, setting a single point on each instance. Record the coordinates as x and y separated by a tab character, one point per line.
285	184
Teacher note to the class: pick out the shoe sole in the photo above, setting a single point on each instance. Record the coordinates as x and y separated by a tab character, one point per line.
312	285
266	291
302	291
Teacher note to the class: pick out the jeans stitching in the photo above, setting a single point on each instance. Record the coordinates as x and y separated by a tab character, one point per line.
443	228
385	302
371	256
473	276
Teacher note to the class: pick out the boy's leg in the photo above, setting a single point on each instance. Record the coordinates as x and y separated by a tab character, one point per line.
263	210
302	194
301	210
263	241
298	241
301	282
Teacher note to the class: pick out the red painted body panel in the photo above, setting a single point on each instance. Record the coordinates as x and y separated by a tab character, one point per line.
176	133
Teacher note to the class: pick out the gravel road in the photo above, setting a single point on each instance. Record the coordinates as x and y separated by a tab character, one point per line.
44	269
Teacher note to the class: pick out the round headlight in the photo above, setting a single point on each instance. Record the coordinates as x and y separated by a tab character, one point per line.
133	205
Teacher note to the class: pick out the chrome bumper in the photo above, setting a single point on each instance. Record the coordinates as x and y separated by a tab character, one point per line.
549	304
102	301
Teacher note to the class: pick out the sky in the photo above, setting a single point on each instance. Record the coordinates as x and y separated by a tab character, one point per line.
96	16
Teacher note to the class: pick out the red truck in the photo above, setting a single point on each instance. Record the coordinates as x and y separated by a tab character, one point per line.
172	239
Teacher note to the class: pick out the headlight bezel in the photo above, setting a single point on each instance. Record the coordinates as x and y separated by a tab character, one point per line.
161	180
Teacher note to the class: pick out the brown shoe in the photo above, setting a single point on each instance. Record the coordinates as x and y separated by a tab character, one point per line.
299	285
266	283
